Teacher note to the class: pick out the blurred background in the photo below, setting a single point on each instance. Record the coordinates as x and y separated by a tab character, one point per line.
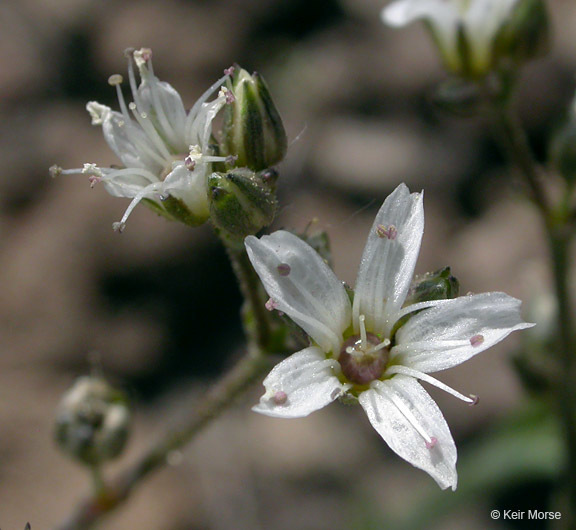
158	306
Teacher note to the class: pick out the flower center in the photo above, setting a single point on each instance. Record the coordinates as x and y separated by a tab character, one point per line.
363	357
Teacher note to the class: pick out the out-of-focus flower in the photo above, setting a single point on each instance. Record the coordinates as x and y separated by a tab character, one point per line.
166	152
360	351
464	30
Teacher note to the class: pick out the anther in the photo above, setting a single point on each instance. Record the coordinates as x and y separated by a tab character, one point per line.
475	399
280	398
189	163
118	227
270	304
55	171
115	79
476	340
94	179
231	159
335	393
229	71
432	443
283	269
128	52
384	232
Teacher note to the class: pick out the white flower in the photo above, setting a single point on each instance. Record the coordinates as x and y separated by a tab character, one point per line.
357	349
465	30
164	149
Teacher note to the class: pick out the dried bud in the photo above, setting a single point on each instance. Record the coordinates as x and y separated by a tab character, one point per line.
241	202
253	129
92	421
526	33
438	285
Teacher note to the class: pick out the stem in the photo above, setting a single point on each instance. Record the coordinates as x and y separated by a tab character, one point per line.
251	290
559	235
219	397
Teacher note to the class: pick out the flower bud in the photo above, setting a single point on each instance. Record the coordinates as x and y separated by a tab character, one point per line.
92	421
253	129
241	202
438	285
526	33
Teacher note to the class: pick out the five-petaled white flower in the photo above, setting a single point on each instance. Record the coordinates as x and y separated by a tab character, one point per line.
465	30
358	349
165	150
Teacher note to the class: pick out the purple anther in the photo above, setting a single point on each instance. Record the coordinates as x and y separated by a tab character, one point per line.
432	443
189	163
270	305
280	398
283	269
476	340
94	179
387	232
229	71
230	97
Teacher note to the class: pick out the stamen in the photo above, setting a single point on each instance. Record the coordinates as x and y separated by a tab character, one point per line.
142	194
203	98
229	71
118	227
404	370
363	337
476	340
432	443
231	160
405	411
283	269
270	304
475	400
228	95
384	344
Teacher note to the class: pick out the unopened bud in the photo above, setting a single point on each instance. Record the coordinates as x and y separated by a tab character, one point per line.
526	33
253	129
92	421
438	285
241	202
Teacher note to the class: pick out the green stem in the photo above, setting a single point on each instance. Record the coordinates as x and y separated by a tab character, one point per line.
559	235
249	283
89	511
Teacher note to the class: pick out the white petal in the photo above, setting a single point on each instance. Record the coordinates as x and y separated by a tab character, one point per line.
394	407
165	107
387	265
299	385
310	294
483	20
453	331
443	17
129	142
190	187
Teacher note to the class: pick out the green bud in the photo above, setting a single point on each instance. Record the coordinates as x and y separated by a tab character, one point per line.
438	285
242	202
92	421
253	129
526	33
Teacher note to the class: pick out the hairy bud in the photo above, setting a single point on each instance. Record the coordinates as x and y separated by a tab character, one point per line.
241	202
438	285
